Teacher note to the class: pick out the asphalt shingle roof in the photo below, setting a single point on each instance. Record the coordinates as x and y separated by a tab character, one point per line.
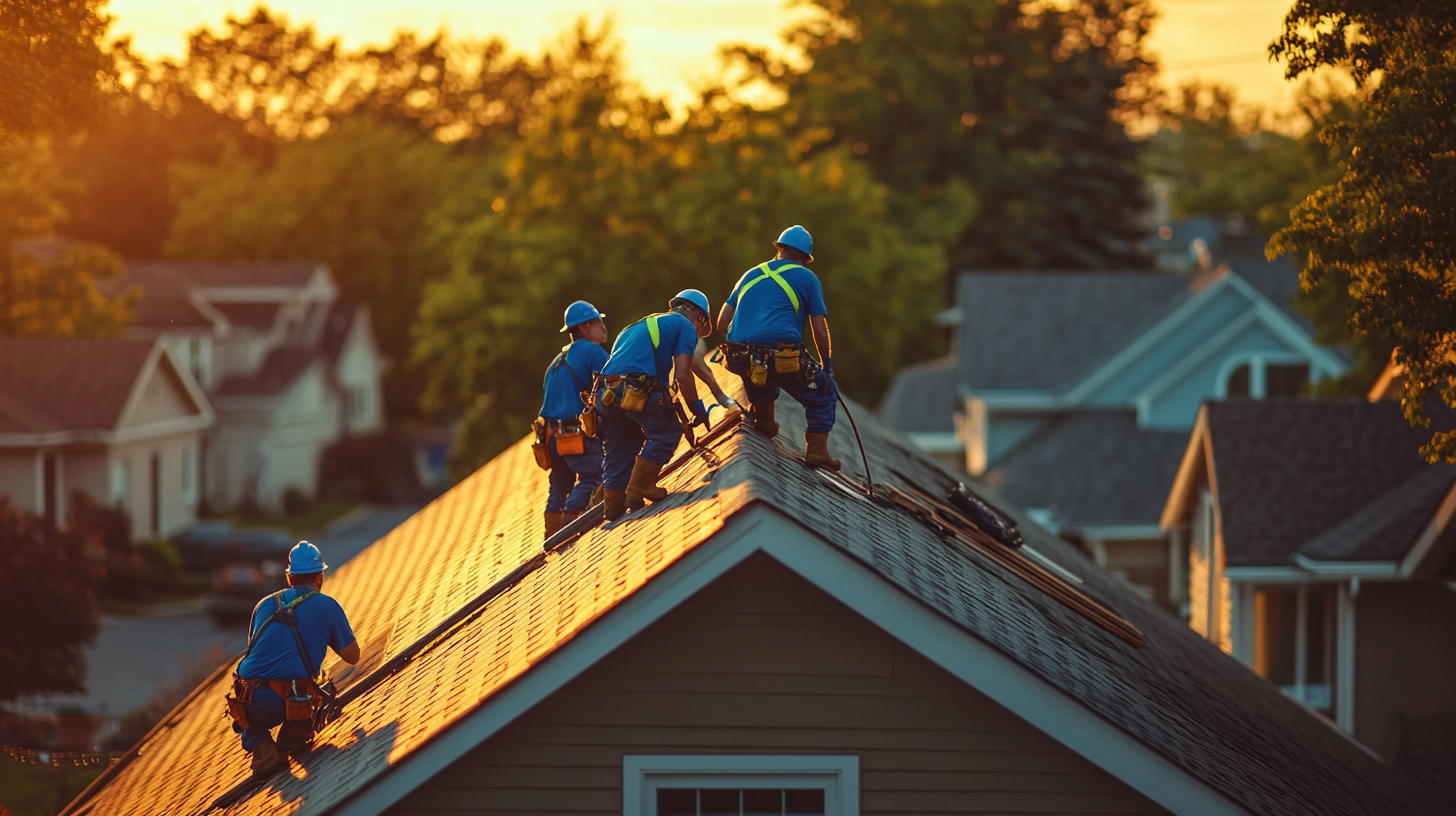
1092	467
1047	330
281	368
1178	694
922	397
231	273
67	384
1342	477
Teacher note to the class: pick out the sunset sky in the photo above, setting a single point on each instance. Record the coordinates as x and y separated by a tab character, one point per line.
670	42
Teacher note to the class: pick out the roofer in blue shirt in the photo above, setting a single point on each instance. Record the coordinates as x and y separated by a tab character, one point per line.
576	459
639	424
763	321
274	684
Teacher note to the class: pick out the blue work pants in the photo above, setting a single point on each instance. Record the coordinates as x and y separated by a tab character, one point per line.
265	712
652	433
573	478
818	401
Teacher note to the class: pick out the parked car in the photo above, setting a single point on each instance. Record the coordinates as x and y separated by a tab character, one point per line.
209	545
237	588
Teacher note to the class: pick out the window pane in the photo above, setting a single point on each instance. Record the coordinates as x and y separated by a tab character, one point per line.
804	802
763	803
718	802
677	802
1285	380
1238	383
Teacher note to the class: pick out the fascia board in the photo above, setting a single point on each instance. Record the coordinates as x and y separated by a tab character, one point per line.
1278	321
1348	569
1187	472
1025	400
1121	531
1267	575
196	422
937	441
250	294
928	632
1200	355
1143	344
50	439
1429	534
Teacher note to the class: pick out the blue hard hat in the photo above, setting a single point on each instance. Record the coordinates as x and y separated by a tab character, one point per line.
798	238
304	559
580	312
694	297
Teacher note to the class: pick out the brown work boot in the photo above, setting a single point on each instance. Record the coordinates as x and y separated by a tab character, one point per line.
553	523
816	451
763	419
267	760
644	484
614	503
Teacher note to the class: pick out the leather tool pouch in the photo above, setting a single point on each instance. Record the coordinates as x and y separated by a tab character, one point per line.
238	712
607	397
786	358
570	442
541	448
634	397
758	366
589	422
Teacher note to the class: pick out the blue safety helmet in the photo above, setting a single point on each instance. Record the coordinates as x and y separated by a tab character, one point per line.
580	312
798	238
699	300
305	559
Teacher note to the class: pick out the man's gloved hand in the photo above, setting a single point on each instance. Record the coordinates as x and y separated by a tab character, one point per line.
729	404
700	413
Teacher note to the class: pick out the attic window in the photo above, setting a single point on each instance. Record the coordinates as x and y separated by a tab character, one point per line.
726	785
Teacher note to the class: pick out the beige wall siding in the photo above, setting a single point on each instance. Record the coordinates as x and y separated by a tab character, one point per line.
177	509
762	662
1405	656
163	398
17	479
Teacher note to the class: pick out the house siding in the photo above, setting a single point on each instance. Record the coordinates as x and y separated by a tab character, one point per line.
763	662
1405	657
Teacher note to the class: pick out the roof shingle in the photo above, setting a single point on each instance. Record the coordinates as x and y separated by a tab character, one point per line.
67	384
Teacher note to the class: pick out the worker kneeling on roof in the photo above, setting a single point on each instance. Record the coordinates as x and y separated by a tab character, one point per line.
274	684
575	457
639	424
763	321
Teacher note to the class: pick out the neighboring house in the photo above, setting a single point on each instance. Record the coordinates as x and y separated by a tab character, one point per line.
290	368
768	639
1072	393
1320	553
120	420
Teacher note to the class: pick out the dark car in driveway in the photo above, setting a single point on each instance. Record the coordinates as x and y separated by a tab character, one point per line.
209	545
237	588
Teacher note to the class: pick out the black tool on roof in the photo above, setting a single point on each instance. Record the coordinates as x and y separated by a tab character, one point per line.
985	516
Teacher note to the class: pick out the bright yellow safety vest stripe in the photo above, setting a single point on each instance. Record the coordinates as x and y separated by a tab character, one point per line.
775	274
652	330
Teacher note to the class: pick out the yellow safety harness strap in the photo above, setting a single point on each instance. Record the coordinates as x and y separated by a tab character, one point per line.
777	277
652	330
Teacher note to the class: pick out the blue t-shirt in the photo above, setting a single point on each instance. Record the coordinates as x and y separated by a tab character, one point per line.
563	391
322	623
767	316
633	352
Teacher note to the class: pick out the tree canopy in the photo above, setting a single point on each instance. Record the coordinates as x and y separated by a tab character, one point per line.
52	62
1386	229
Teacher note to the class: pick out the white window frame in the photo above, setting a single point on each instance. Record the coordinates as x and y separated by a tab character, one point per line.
837	775
1258	363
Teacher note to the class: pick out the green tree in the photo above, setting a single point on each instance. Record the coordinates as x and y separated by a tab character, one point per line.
357	199
1021	102
1388	225
47	569
604	198
51	63
49	288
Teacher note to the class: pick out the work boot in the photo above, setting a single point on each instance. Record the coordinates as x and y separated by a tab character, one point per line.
614	503
644	484
596	496
763	419
568	516
816	451
267	760
553	523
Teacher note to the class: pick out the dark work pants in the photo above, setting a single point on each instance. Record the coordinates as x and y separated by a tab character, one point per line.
264	713
818	401
652	433
573	478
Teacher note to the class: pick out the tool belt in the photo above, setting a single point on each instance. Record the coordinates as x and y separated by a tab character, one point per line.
629	391
755	361
300	698
569	435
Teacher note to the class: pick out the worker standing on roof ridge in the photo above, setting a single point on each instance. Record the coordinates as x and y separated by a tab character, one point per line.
575	457
639	425
763	321
274	684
